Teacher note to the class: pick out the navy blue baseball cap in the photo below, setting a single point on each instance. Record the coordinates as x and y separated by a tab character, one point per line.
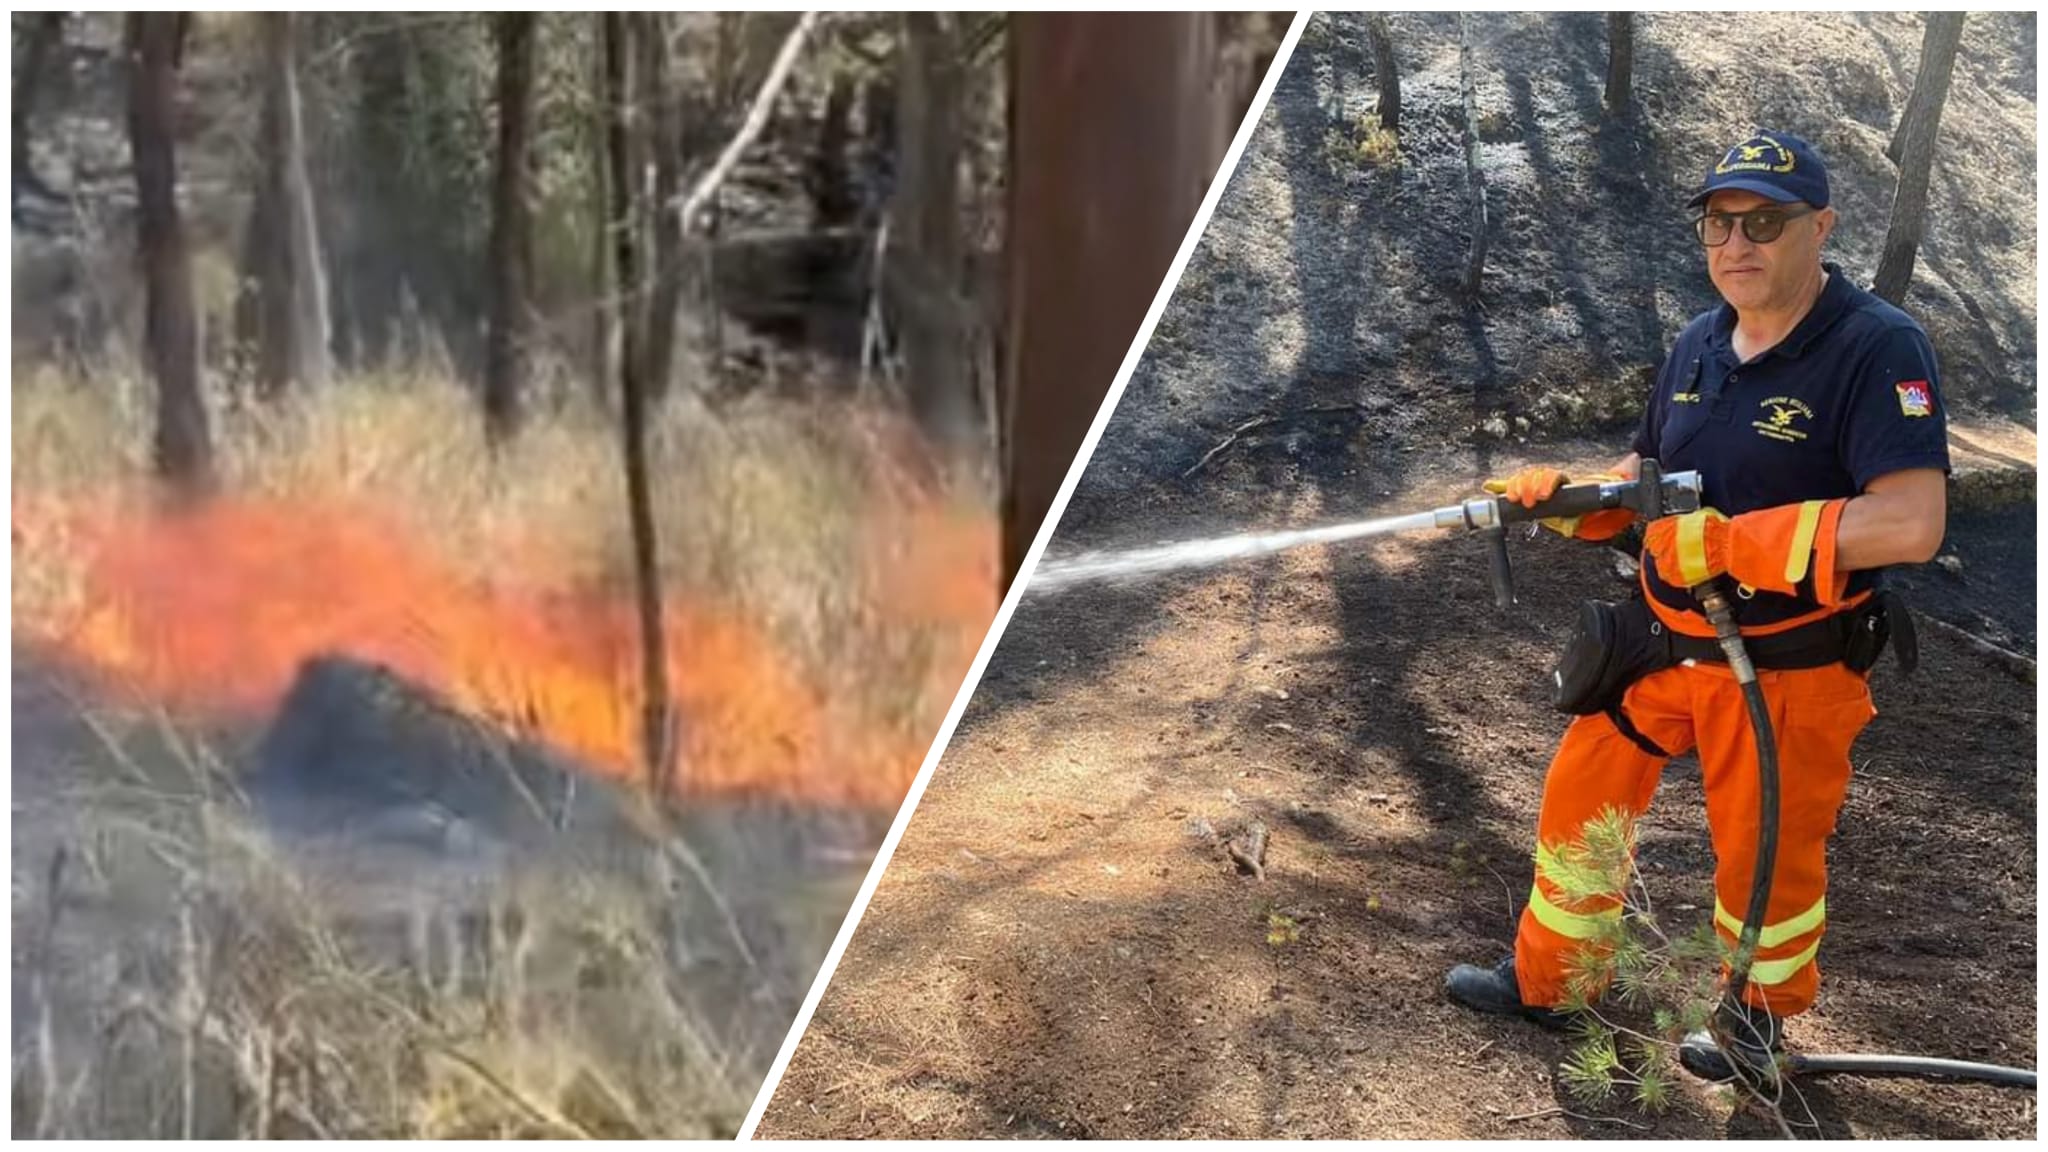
1775	165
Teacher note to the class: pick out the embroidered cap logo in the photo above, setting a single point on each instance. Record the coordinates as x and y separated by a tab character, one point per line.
1761	154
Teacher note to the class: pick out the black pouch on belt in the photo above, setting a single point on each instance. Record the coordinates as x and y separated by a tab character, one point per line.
1615	646
1882	619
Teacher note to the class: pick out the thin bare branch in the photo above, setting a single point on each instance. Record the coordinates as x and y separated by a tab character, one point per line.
983	39
2013	662
757	119
1556	1111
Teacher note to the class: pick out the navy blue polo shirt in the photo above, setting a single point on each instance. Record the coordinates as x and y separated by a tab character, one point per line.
1849	395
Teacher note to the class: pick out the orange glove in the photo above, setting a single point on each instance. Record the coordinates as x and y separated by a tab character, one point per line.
1772	549
1537	483
1531	486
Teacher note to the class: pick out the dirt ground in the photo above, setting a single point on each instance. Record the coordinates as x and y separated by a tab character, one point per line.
1054	952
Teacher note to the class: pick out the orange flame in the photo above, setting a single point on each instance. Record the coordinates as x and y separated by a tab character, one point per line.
211	612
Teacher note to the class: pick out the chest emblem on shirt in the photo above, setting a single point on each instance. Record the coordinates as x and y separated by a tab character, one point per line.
1915	399
1781	418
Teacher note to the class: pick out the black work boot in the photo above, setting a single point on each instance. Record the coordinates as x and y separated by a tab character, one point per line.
1741	1035
1495	990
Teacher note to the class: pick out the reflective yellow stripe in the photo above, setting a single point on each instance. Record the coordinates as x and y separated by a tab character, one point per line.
1573	925
1692	546
1784	930
1779	971
1801	556
1692	550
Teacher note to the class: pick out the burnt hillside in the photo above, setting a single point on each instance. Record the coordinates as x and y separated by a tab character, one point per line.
1325	292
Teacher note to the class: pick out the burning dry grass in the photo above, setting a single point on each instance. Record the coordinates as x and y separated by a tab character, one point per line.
177	972
826	591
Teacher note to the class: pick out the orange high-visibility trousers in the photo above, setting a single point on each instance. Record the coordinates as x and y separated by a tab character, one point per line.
1816	714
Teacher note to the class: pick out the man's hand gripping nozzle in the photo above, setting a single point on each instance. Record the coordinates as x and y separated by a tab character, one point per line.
1651	495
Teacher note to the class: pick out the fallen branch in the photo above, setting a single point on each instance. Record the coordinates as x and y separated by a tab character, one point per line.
757	119
1248	849
1542	1112
1248	426
1263	421
2013	662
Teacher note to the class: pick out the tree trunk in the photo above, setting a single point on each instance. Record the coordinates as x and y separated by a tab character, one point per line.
322	37
661	104
310	317
656	745
924	266
283	308
1621	60
1930	44
1475	179
1244	45
725	65
373	269
45	32
183	450
1922	126
1108	123
604	326
828	176
1213	46
1385	70
505	354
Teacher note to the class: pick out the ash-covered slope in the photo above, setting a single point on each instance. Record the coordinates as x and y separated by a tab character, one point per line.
1326	288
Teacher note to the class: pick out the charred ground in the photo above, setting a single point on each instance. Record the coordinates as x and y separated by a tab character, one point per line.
1053	953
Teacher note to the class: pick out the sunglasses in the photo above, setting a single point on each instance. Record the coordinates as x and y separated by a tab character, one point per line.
1760	225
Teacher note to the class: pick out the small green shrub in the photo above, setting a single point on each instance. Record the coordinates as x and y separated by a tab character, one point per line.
1638	987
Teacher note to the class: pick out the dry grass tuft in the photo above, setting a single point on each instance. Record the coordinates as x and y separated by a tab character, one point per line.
188	980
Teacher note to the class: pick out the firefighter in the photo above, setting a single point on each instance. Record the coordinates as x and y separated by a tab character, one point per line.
1813	411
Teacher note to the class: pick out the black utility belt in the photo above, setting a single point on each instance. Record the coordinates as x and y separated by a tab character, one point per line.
1619	644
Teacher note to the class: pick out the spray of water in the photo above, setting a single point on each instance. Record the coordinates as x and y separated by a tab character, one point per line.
1143	563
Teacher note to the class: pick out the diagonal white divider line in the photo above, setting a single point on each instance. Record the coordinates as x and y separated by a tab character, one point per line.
1009	605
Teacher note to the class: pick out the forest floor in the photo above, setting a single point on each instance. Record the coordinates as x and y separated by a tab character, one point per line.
1051	952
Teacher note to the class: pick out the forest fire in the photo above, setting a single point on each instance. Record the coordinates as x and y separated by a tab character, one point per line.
210	613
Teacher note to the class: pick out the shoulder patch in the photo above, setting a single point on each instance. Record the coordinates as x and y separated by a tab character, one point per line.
1915	399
